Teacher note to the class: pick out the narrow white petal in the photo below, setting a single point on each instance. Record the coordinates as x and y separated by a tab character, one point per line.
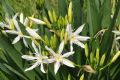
15	16
16	23
116	32
42	68
39	48
79	29
49	60
35	47
28	57
11	31
50	50
117	38
56	66
25	43
37	21
21	18
32	33
26	22
67	54
69	29
16	40
83	38
80	44
68	63
71	46
35	30
33	66
61	47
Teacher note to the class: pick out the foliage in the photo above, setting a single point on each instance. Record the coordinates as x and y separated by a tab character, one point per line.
98	60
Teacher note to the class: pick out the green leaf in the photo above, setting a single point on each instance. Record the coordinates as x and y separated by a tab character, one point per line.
118	19
77	13
93	17
105	13
16	72
14	54
62	7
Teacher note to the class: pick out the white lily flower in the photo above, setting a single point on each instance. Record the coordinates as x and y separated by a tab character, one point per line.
17	32
117	33
32	33
60	58
39	59
37	21
74	37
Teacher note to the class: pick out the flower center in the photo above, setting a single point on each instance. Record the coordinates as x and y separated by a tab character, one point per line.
58	57
72	37
20	34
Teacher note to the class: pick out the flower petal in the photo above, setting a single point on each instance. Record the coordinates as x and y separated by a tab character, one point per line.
50	50
25	43
28	57
21	18
82	38
67	54
49	60
11	31
71	46
35	48
68	63
79	29
116	32
37	21
16	40
26	22
117	38
33	66
42	68
33	33
69	29
56	66
16	23
61	47
79	44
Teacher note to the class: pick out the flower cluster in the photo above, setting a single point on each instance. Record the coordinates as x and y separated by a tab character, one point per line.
58	58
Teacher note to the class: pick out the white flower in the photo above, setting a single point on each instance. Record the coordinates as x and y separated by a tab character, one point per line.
37	21
74	37
17	32
117	33
39	59
59	59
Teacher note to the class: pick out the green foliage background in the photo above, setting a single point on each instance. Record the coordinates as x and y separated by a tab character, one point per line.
97	16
